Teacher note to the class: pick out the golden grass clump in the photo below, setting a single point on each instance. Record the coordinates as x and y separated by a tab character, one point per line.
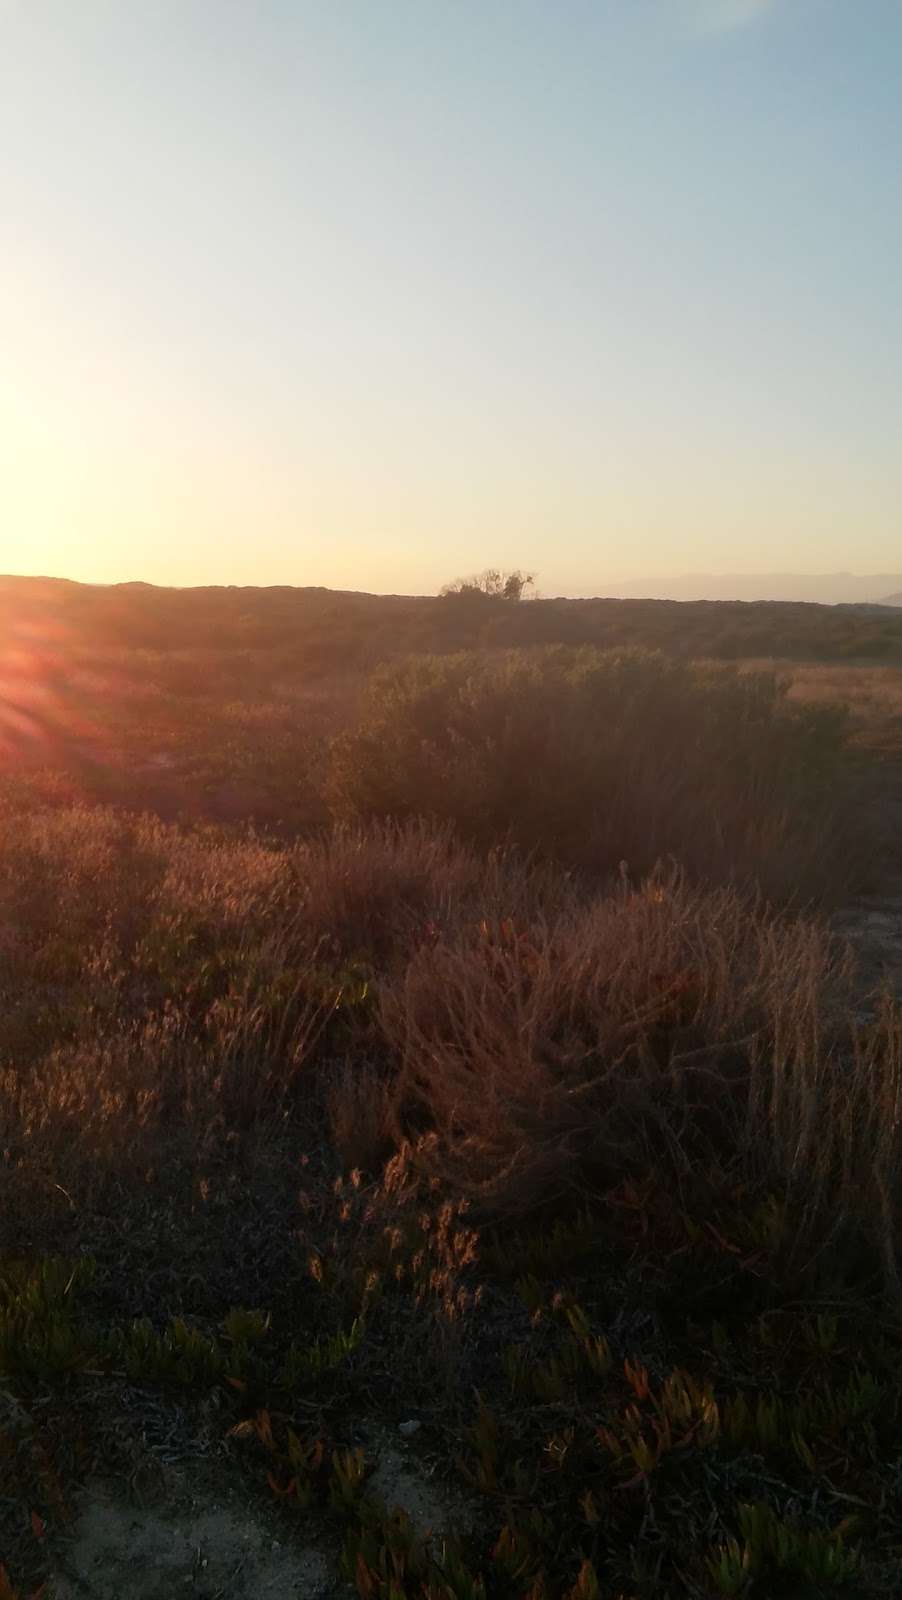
550	1038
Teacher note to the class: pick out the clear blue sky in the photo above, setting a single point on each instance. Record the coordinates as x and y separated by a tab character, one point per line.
375	292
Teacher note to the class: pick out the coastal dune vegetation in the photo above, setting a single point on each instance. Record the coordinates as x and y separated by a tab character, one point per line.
460	1037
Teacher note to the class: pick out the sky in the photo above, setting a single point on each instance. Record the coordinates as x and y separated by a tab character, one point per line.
374	293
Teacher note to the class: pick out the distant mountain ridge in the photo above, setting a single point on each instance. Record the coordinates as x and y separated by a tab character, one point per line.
827	589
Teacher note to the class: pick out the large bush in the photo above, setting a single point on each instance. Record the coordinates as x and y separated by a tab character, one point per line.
596	758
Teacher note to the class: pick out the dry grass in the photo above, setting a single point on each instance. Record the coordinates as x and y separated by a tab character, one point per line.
550	1039
872	696
633	1127
660	1029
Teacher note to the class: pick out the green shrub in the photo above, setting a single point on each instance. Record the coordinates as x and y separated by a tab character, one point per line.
596	758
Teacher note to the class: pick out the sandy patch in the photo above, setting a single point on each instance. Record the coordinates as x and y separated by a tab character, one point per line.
209	1546
406	1479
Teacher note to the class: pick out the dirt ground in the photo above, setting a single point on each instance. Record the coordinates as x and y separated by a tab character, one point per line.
197	1540
191	1530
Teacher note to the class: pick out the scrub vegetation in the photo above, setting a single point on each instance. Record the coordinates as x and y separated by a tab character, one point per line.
458	1047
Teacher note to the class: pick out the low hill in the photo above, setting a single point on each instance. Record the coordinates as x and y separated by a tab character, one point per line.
276	631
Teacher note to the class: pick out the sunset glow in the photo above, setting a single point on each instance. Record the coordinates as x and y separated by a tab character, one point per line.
351	295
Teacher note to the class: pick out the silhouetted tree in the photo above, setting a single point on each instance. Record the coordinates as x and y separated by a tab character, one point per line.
493	583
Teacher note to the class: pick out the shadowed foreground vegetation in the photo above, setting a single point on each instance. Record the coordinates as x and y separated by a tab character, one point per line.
433	1110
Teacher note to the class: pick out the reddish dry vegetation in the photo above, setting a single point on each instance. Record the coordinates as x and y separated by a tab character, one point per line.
433	1108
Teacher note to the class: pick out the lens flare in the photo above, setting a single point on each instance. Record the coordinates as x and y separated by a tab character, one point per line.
50	691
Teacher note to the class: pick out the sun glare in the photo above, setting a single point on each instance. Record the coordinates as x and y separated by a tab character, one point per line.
48	681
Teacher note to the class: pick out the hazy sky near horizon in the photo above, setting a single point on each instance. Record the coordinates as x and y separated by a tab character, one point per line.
371	293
